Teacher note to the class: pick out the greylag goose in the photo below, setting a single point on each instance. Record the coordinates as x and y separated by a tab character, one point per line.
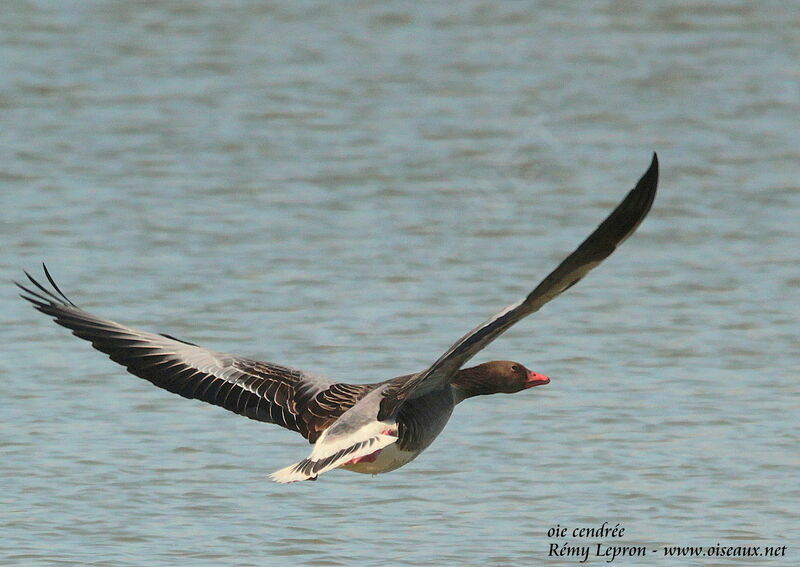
366	428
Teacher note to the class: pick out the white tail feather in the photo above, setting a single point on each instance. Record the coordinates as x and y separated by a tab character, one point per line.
310	469
290	474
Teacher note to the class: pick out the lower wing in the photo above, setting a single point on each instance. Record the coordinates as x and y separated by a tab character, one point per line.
262	391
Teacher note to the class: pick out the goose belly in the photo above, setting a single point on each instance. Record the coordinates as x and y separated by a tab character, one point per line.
387	459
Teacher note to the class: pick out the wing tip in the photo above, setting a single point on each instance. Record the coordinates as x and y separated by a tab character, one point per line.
44	296
650	178
55	285
642	196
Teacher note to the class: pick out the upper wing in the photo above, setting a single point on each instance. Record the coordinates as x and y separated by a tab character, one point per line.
263	391
619	225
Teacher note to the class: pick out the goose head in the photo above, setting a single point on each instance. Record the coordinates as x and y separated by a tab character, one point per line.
496	377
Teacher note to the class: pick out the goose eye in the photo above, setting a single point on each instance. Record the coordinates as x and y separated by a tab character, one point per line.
514	367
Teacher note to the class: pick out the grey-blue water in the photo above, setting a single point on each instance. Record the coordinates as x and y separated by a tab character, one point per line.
347	188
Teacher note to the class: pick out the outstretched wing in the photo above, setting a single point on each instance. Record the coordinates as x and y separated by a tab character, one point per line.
619	225
262	391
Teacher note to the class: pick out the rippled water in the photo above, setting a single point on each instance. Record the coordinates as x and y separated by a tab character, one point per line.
349	187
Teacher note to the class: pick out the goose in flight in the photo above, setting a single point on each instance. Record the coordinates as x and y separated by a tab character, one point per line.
367	428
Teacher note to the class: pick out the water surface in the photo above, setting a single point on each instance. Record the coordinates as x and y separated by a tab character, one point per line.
348	188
